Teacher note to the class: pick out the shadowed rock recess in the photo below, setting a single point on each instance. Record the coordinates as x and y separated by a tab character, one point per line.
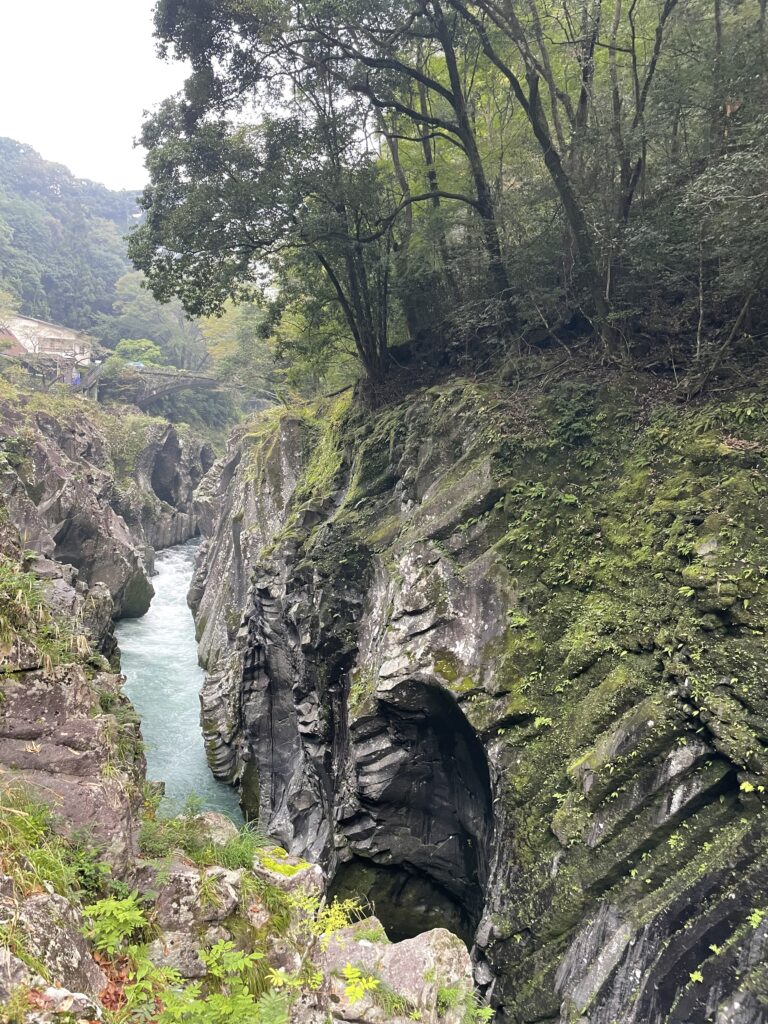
497	658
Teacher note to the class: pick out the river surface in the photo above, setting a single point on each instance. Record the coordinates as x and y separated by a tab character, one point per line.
163	679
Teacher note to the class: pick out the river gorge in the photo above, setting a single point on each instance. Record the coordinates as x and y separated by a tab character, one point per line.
158	656
445	672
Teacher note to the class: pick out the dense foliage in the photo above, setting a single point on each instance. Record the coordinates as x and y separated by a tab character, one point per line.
461	169
61	238
63	257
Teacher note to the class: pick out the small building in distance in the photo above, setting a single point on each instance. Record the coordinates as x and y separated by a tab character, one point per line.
40	338
9	343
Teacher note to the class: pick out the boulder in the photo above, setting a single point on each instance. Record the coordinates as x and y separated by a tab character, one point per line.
51	930
431	975
188	897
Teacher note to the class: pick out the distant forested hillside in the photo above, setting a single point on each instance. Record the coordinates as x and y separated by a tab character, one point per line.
62	247
63	257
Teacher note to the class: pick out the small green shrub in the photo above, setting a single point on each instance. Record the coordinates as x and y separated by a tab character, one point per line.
146	982
30	852
159	837
24	615
358	984
448	998
233	1002
114	921
372	933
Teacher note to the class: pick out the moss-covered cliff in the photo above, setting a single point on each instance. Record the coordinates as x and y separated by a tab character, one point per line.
502	663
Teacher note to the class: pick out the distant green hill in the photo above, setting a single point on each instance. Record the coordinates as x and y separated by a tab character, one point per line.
62	247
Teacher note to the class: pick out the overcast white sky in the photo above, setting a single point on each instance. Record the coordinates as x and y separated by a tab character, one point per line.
77	75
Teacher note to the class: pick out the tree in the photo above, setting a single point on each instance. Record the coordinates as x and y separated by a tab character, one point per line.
140	350
231	203
61	245
408	162
9	306
613	91
137	314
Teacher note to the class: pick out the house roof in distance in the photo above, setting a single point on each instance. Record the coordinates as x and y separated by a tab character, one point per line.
41	337
10	344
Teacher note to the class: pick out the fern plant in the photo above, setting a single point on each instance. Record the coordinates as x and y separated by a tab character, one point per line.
113	921
358	984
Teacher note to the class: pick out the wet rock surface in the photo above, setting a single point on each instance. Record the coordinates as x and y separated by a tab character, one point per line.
470	665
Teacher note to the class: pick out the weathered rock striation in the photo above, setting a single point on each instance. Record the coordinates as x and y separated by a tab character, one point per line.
75	740
77	823
67	732
73	811
495	657
98	490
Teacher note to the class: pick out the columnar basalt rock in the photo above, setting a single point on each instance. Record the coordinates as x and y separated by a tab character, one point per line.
494	657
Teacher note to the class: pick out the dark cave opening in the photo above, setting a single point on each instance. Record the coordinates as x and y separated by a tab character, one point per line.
405	901
420	836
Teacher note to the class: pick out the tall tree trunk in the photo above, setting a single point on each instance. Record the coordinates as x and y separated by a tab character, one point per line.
434	186
483	192
718	86
577	221
401	250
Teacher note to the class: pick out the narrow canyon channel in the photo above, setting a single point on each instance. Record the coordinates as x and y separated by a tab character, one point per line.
163	679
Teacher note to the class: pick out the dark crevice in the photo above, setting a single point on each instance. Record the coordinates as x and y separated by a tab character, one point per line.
420	838
166	476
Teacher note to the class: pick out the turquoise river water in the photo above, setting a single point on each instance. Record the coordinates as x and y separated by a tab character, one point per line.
163	679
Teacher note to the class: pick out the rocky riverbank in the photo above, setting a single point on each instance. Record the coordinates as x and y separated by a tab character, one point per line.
493	656
106	909
97	489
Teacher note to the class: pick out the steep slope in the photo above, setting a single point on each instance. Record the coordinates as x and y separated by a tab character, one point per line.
495	655
213	916
97	489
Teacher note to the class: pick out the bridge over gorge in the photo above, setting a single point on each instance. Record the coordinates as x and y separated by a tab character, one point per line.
145	386
159	384
142	386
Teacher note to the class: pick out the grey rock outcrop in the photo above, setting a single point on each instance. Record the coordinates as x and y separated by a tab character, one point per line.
99	491
59	498
230	545
431	974
84	762
87	608
458	652
157	502
50	931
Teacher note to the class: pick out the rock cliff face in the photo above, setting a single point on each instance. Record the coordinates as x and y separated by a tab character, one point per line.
76	741
98	490
76	818
66	730
495	656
